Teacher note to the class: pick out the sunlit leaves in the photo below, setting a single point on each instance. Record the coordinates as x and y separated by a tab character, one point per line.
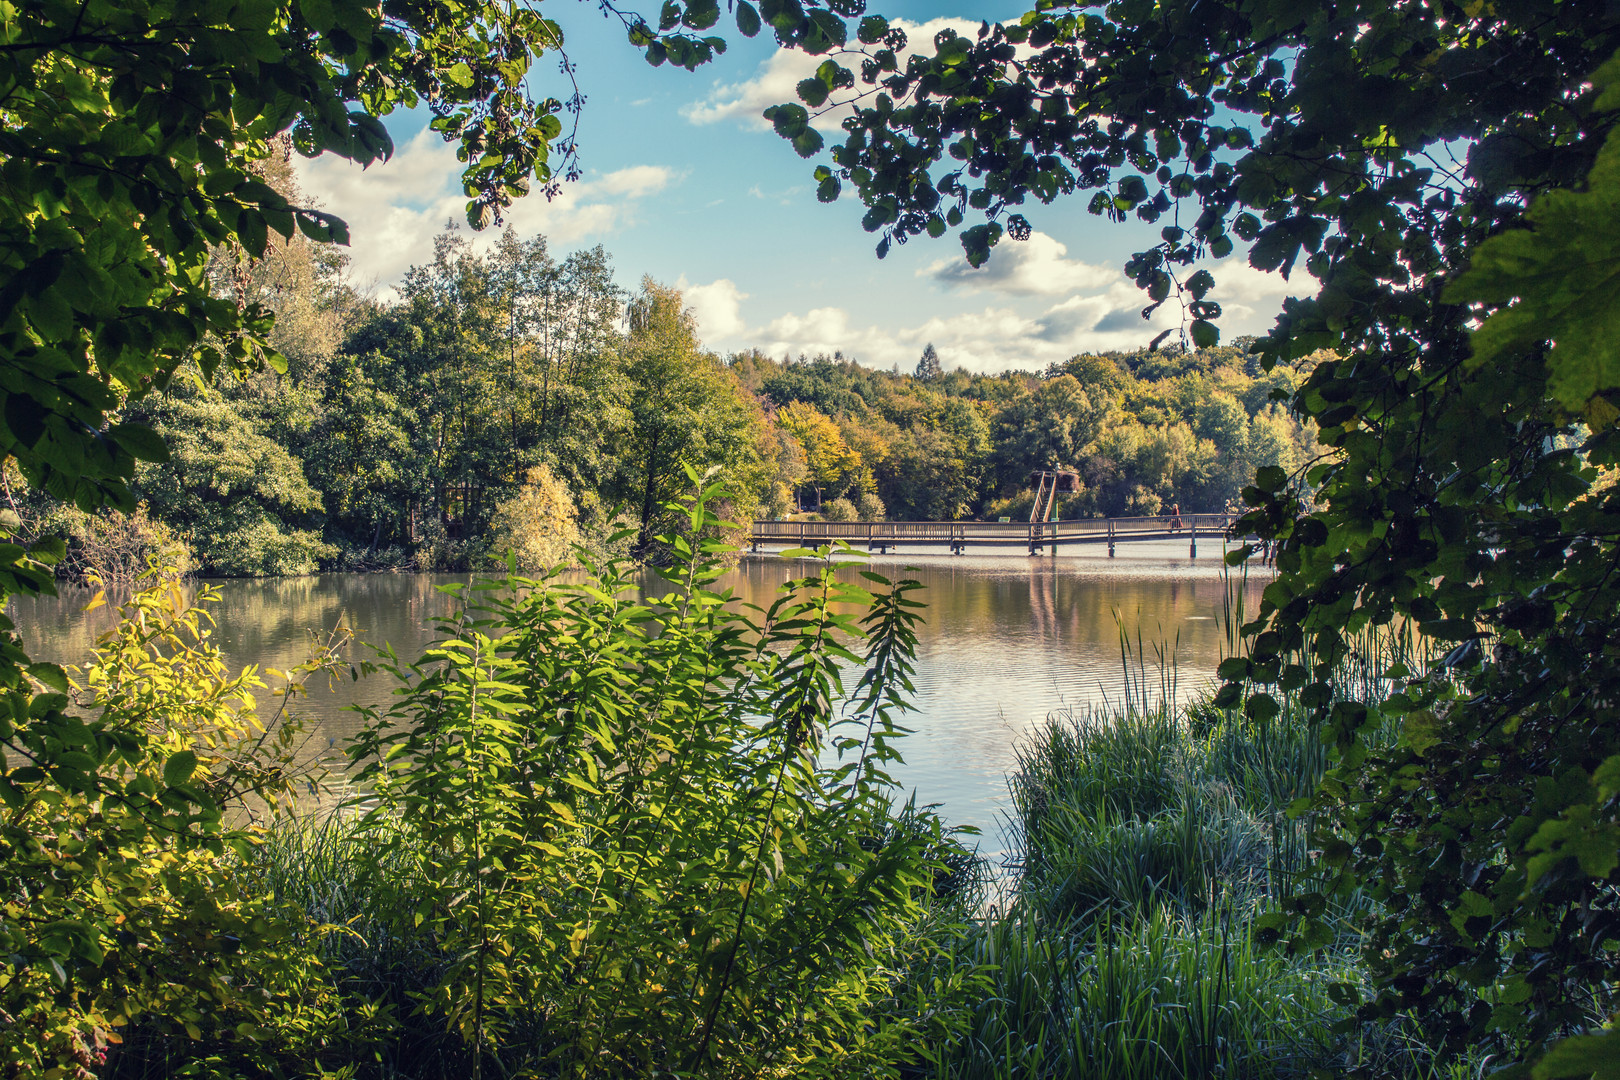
126	789
1557	280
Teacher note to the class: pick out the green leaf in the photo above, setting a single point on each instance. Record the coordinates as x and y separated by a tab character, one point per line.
813	92
807	142
1421	730
460	74
1261	707
747	19
1560	279
318	13
50	675
142	442
1582	1057
701	14
1270	478
178	769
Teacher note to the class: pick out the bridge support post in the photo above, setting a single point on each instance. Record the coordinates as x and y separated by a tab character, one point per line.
1110	538
1192	547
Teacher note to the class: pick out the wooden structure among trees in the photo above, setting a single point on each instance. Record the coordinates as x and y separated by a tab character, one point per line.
958	536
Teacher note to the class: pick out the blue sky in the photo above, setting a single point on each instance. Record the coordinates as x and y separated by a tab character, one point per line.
684	181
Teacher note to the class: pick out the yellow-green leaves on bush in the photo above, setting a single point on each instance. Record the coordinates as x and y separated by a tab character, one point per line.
127	908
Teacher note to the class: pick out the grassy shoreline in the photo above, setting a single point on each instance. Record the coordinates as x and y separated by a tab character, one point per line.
1147	838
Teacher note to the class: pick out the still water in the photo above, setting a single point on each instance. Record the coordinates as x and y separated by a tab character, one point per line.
1007	641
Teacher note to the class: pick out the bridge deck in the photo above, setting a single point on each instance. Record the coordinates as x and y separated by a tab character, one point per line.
959	535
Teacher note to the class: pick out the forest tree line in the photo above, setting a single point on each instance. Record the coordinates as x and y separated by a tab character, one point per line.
518	399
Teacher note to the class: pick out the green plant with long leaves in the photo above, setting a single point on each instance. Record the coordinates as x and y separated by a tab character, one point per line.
648	836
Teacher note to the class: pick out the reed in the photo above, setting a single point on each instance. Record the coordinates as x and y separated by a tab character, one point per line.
1148	835
1141	995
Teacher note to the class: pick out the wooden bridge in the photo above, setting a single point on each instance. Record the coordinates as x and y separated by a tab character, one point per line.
961	535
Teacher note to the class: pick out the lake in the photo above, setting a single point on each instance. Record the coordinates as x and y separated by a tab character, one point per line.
1007	641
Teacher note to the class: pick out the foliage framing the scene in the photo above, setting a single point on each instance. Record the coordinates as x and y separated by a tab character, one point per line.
129	136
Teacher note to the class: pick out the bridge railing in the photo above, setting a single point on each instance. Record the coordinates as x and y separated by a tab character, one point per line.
1008	532
1130	528
792	531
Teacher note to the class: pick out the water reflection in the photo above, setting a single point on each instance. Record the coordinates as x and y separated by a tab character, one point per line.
1005	641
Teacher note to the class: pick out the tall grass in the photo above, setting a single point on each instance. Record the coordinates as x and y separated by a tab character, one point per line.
1143	995
1148	836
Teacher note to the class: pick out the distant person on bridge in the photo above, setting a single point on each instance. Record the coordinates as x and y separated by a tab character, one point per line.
1175	517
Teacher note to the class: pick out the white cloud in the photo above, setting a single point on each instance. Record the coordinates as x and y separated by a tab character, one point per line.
777	77
1101	316
1038	266
396	208
1250	299
634	182
717	307
992	339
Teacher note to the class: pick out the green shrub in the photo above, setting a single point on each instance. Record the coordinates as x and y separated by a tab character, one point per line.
115	550
840	510
125	915
240	499
242	542
631	837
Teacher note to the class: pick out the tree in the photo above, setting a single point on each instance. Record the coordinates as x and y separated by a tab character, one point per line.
1046	429
358	453
686	410
241	501
538	525
1098	374
928	366
926	478
832	464
784	458
1220	420
1396	151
